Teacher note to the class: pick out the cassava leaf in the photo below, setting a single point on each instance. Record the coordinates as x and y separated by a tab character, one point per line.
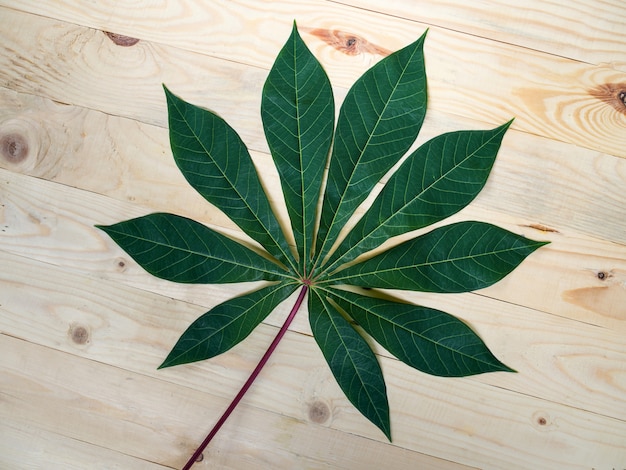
460	257
351	361
429	340
298	114
378	122
227	324
437	180
181	250
215	161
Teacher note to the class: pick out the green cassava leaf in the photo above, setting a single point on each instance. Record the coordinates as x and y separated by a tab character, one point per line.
227	324
460	257
214	160
298	114
181	250
378	122
429	340
351	361
437	180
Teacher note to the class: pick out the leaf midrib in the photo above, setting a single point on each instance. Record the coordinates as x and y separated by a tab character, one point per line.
433	263
402	208
343	194
362	381
225	177
199	253
396	325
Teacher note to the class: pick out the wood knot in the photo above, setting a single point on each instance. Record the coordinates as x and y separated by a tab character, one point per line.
120	265
348	43
542	420
613	94
121	40
319	412
79	334
14	147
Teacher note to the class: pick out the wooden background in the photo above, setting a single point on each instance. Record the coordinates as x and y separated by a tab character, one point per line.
83	140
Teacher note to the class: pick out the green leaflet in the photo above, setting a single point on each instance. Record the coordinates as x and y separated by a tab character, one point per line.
437	180
298	114
226	325
378	122
214	160
429	340
181	250
351	361
460	257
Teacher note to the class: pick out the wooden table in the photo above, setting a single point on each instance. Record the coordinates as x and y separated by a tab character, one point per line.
83	141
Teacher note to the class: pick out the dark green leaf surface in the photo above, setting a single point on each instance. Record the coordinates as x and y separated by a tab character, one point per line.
460	257
298	114
181	250
439	179
427	339
351	361
215	161
227	324
378	122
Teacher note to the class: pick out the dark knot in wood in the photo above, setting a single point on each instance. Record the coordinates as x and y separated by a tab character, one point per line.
79	334
319	412
613	94
120	40
348	43
13	147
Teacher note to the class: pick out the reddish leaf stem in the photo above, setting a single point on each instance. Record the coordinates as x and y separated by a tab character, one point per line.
250	380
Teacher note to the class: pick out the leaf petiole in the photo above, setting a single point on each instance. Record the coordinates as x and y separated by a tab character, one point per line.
283	329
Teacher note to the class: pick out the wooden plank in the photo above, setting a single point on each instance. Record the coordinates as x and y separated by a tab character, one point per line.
553	353
157	423
573	189
501	81
109	336
589	31
28	446
54	223
585	30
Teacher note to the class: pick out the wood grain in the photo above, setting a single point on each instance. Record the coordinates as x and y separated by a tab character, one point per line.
587	31
83	140
501	81
23	445
476	414
39	223
571	189
78	410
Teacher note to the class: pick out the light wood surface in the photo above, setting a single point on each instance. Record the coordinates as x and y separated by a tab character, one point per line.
83	141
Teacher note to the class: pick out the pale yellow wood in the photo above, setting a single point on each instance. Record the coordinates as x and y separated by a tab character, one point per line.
572	189
29	447
40	223
499	82
585	30
83	328
59	393
99	322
